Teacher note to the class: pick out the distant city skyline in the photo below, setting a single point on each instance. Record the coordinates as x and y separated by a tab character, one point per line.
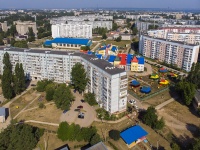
62	4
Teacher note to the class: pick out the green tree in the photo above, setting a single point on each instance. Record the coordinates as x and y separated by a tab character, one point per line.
78	77
196	144
118	39
21	44
20	137
95	139
1	40
114	134
31	35
12	31
134	31
63	97
41	85
150	116
90	98
7	77
50	89
194	74
187	91
114	26
159	124
104	36
62	130
175	146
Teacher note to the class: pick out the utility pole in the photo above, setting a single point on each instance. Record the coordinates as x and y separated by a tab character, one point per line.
157	144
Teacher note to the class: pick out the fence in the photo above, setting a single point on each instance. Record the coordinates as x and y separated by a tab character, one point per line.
149	95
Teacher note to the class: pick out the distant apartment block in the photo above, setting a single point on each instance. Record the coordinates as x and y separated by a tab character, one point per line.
107	82
70	30
189	38
63	19
22	27
3	26
95	24
171	52
181	28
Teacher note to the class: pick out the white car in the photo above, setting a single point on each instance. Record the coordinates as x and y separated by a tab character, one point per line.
136	107
131	102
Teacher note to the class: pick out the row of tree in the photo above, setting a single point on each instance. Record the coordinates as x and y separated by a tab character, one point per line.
75	132
20	137
12	82
60	93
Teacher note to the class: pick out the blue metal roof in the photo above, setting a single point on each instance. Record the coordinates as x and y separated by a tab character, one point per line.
111	58
132	134
102	48
129	58
78	41
89	53
141	60
99	56
114	49
2	111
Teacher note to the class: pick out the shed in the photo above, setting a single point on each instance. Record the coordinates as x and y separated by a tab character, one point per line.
2	114
98	146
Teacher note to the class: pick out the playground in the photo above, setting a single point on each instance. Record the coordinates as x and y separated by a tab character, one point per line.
156	83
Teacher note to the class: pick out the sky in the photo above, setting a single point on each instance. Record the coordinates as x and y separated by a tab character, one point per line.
40	4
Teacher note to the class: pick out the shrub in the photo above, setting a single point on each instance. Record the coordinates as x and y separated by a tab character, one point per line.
114	134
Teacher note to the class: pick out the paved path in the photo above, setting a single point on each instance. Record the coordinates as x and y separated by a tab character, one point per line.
38	95
164	103
38	106
94	49
40	122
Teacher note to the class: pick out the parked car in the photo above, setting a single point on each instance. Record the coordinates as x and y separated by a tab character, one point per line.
81	115
136	107
80	107
65	111
33	85
131	102
82	100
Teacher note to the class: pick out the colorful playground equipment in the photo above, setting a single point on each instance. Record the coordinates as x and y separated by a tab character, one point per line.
173	75
135	83
145	89
154	76
164	82
163	70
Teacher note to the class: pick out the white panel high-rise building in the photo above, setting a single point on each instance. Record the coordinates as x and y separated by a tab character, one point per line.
72	30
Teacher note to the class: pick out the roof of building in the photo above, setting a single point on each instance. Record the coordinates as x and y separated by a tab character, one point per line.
129	57
98	146
135	60
2	111
77	41
123	58
64	147
100	63
141	60
132	134
111	58
114	49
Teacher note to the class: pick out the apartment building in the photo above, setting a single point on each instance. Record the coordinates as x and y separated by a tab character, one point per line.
172	52
107	82
181	28
189	38
4	26
95	24
63	19
22	27
71	30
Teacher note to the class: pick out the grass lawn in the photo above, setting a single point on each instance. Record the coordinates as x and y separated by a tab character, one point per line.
49	114
119	44
53	142
21	102
96	38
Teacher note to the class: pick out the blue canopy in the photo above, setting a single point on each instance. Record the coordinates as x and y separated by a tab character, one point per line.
145	89
132	134
135	83
111	58
163	70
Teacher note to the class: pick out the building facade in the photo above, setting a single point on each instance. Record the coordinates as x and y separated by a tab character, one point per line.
4	26
107	82
95	24
70	30
22	27
172	52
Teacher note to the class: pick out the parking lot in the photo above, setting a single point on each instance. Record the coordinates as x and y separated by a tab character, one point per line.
71	116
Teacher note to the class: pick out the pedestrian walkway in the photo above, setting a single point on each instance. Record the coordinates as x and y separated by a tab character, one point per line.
41	122
164	103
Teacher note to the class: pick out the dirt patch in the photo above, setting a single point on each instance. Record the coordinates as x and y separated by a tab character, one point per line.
53	142
49	114
181	121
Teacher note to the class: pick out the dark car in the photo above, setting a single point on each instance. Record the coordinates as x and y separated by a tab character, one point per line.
65	111
83	101
74	91
81	115
33	85
80	107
